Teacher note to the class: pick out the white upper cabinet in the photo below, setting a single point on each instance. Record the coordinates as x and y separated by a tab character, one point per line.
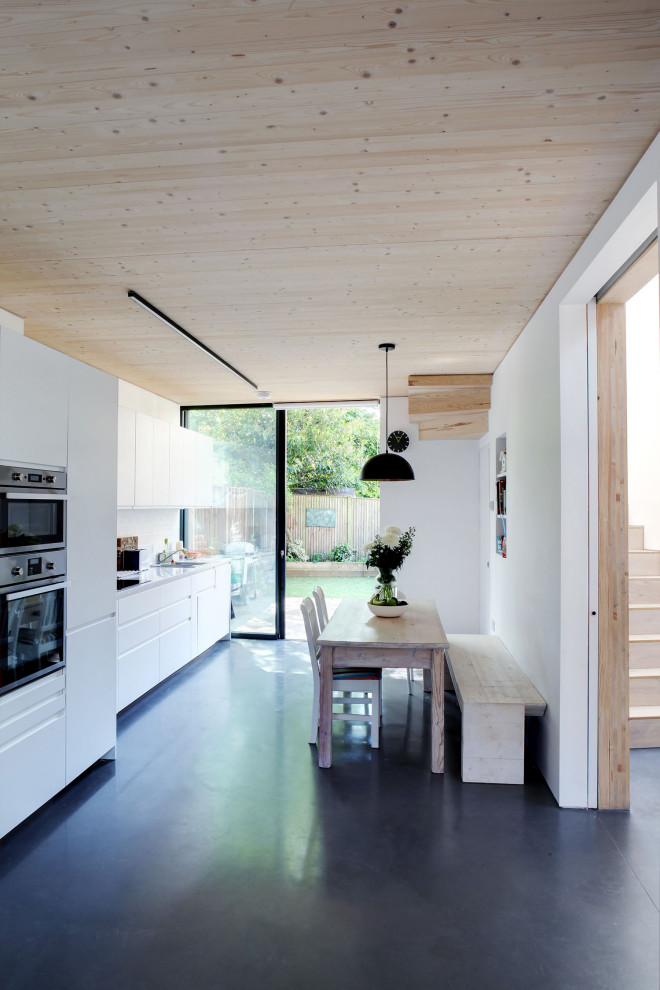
176	465
189	467
161	462
144	460
126	457
204	472
33	402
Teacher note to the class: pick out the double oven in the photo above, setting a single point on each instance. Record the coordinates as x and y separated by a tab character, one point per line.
32	573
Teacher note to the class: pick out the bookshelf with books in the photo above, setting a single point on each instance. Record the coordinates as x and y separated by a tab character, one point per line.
500	495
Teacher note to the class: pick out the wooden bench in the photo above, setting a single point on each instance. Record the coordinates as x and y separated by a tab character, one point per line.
495	696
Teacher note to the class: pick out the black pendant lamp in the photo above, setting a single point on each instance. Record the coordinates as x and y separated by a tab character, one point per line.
387	466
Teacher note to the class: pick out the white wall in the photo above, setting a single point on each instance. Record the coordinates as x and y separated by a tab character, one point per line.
643	366
442	503
150	526
540	595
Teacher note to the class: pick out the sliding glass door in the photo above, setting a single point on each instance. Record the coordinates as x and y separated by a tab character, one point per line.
244	523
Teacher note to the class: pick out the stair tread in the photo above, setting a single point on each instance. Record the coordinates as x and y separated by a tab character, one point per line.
644	638
644	606
644	711
644	550
645	672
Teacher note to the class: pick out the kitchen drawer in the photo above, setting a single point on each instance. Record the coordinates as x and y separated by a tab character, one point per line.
135	633
174	591
31	770
175	614
200	582
137	672
174	649
135	606
25	698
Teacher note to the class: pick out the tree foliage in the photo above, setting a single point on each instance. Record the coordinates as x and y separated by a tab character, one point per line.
326	448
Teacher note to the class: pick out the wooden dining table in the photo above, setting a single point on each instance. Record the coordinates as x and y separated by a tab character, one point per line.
354	637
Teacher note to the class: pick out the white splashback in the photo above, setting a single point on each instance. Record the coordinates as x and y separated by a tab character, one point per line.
151	526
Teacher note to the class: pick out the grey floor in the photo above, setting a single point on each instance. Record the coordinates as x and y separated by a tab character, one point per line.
215	854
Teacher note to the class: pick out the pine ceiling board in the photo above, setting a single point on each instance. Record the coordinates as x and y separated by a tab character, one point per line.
272	172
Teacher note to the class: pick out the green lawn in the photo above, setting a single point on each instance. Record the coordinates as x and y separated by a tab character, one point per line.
333	587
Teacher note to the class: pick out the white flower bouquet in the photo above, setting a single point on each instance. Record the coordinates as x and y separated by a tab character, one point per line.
387	553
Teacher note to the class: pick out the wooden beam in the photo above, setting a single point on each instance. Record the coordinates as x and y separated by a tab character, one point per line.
613	625
435	426
449	405
426	382
448	400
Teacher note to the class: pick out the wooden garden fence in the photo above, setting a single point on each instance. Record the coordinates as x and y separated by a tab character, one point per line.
323	522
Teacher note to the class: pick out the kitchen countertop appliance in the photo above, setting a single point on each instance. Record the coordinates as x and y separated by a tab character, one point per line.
32	573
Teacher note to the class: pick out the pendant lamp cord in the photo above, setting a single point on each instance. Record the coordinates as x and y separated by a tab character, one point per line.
387	396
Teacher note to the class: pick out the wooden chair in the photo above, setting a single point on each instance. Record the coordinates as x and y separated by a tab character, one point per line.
321	607
346	681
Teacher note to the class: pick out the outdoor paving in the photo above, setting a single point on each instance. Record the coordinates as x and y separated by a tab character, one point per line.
254	617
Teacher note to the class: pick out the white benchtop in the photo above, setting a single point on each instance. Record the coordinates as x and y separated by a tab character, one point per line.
171	572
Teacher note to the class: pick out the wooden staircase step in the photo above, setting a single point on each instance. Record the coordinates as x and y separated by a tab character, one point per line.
644	687
643	562
644	619
644	726
635	537
644	651
644	590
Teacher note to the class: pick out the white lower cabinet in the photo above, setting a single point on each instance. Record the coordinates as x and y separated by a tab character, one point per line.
91	688
137	672
32	748
211	595
174	645
161	628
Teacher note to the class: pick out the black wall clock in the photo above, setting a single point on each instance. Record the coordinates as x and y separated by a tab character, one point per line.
398	441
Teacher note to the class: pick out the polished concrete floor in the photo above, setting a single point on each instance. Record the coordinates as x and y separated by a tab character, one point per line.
215	854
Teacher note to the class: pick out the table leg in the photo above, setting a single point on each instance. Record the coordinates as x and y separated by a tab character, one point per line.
438	712
325	714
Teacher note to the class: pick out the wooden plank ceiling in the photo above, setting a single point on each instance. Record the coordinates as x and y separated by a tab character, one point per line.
295	182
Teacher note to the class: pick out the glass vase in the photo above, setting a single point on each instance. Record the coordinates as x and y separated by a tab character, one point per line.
385	586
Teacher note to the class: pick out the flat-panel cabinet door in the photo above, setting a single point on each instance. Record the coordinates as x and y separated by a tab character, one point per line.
137	672
91	693
174	649
92	508
176	466
33	402
207	619
144	459
222	599
161	463
126	457
32	746
189	439
204	471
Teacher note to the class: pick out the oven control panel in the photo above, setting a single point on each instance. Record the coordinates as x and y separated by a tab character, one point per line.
40	479
19	568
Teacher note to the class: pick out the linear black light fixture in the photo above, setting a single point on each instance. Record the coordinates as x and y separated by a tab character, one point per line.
141	301
387	467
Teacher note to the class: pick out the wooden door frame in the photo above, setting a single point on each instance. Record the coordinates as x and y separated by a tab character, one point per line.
613	592
613	598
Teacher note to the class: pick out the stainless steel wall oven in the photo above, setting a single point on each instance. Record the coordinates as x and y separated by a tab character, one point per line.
32	574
